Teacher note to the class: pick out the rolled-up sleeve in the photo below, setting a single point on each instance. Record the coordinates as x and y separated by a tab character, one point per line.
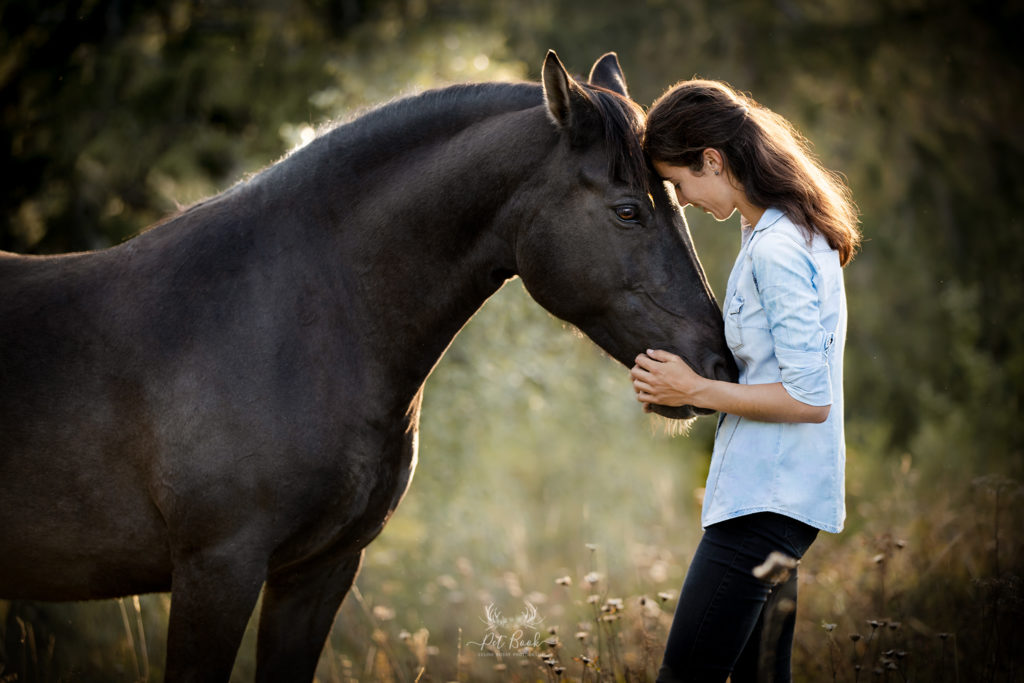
784	274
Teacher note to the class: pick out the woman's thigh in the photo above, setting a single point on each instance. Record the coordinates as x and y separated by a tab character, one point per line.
721	599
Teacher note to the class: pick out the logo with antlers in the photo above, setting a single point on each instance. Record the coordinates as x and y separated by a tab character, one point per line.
527	619
507	635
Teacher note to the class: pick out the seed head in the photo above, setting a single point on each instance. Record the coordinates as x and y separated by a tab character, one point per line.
776	568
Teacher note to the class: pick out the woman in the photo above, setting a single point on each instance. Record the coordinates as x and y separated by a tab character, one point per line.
777	470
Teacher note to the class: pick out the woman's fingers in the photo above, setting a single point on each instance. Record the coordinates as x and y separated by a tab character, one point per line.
662	356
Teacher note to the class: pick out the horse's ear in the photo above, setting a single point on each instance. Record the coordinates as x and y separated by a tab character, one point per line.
608	74
558	85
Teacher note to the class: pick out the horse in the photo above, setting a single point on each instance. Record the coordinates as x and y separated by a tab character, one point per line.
229	401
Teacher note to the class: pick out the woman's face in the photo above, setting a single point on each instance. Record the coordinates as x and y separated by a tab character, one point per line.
711	193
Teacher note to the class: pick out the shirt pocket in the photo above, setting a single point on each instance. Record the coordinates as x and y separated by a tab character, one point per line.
734	323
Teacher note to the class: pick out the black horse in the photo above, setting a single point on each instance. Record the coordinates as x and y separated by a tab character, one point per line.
230	400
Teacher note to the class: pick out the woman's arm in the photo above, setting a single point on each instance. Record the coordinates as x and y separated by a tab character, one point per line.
664	378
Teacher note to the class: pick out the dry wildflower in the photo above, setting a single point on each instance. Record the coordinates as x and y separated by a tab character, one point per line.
564	581
855	637
776	567
874	623
559	670
665	596
464	566
586	660
592	578
612	605
447	581
383	613
552	642
893	625
879	558
611	617
828	627
404	635
994	482
593	599
581	635
592	547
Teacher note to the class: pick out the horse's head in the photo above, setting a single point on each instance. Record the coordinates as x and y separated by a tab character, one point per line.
608	249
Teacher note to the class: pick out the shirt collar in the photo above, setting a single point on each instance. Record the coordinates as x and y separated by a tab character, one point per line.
769	218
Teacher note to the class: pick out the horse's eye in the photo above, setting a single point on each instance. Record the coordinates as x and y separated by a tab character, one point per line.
627	212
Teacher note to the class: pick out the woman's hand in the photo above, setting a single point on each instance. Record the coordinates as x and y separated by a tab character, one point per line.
663	378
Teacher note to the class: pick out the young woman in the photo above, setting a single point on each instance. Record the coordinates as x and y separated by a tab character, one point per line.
777	470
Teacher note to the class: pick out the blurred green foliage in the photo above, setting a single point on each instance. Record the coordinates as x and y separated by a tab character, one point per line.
116	113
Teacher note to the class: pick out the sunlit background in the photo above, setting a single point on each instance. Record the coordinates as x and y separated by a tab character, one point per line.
540	481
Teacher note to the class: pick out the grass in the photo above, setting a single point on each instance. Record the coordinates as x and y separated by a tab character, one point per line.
926	588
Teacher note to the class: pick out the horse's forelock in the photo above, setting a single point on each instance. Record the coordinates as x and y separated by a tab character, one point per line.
623	121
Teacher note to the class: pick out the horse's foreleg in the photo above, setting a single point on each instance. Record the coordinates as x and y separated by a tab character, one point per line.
299	606
212	598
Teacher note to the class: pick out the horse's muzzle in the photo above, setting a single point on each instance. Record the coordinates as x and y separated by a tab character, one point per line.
679	412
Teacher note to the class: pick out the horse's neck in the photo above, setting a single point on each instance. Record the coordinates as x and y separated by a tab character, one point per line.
428	234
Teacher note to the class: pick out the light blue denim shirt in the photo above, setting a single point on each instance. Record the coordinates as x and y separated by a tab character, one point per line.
785	321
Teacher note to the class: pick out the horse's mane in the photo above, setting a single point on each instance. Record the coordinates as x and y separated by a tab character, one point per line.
457	106
623	121
439	112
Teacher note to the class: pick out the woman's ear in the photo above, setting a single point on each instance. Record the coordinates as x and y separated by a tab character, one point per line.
713	161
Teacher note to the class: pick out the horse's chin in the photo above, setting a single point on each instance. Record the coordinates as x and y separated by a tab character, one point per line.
679	412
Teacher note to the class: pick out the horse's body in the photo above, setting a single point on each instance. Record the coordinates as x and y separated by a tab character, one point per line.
230	400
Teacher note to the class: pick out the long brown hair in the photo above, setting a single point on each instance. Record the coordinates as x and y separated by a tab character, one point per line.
764	153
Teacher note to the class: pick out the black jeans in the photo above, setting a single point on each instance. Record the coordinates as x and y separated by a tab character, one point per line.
729	621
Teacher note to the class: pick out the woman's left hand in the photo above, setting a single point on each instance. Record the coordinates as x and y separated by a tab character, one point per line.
663	378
